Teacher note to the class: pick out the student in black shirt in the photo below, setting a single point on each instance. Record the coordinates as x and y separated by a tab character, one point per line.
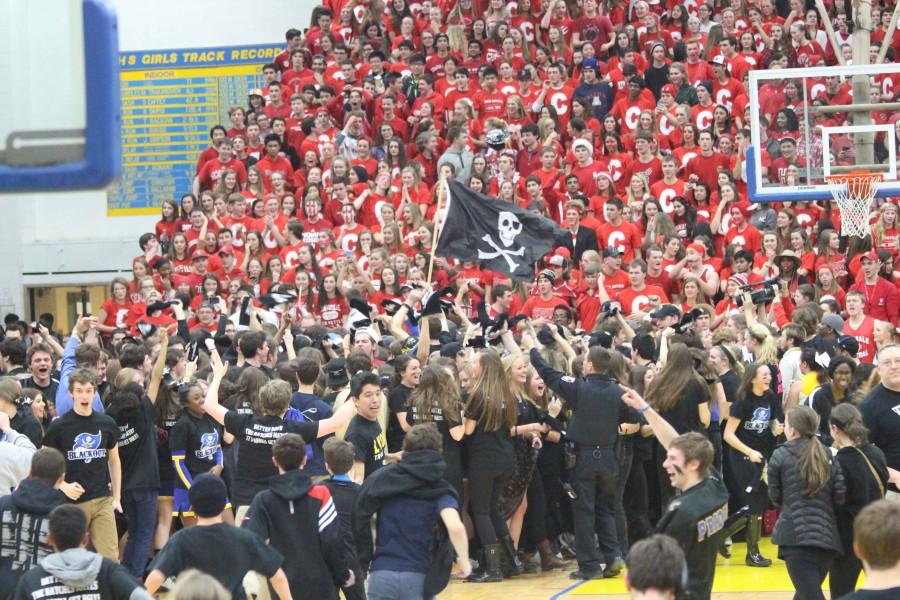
294	510
697	517
135	414
364	431
89	441
73	572
21	418
339	456
437	400
831	393
490	417
257	434
750	434
407	372
865	475
196	444
215	547
681	396
875	534
881	408
23	518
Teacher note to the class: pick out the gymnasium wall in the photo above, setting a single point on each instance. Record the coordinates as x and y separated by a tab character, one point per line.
67	238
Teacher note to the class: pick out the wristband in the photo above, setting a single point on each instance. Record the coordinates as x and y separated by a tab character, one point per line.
645	409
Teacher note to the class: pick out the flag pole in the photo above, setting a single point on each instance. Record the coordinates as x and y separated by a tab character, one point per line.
441	193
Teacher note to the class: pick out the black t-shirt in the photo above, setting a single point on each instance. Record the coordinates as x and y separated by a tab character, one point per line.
489	447
881	414
85	442
137	448
113	582
730	383
685	415
198	441
821	400
163	452
27	424
756	413
257	435
696	519
369	441
222	551
397	401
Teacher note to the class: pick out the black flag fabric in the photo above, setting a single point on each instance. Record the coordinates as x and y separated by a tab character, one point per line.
495	234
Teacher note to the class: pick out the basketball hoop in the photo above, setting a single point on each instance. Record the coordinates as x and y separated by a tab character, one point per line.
854	192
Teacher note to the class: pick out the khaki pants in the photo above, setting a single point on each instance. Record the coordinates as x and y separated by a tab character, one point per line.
255	584
102	526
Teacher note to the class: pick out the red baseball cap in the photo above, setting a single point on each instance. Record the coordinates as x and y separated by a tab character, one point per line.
199	254
227	249
668	89
871	255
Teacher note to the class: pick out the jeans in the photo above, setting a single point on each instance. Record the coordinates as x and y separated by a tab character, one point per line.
139	505
396	585
595	480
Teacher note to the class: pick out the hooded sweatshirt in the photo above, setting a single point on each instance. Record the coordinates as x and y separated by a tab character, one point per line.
23	530
294	509
419	475
15	460
79	573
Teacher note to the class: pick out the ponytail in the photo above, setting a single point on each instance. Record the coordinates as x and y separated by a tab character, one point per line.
848	419
813	465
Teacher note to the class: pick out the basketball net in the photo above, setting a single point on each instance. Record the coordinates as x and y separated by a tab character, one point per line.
854	192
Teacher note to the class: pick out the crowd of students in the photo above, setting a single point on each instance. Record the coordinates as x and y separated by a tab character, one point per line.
287	337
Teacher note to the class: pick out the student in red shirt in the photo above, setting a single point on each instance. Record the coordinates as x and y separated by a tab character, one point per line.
542	305
208	176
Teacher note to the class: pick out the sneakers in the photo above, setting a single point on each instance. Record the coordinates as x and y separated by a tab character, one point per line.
585	575
614	568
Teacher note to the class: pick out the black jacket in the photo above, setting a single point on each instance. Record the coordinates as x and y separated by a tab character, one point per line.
418	475
585	239
862	487
804	521
23	530
294	509
344	494
595	401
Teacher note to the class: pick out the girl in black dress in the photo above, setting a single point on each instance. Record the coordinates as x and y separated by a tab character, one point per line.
490	417
750	433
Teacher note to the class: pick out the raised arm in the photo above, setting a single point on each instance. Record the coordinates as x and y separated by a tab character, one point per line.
160	366
213	408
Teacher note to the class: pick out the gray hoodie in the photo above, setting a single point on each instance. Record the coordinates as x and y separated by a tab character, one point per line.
79	568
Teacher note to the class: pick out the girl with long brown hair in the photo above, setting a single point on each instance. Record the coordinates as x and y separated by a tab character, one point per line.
490	418
807	485
682	397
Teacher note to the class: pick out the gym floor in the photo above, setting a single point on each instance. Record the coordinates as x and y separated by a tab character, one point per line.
734	581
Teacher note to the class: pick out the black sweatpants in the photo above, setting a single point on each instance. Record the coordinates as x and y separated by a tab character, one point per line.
844	574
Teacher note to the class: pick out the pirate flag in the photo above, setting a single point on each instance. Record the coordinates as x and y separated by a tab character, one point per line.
497	235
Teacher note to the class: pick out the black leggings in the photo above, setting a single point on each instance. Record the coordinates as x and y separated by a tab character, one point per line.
486	482
843	575
807	569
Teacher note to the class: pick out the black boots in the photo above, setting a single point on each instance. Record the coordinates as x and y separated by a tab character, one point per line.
489	568
510	564
754	532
